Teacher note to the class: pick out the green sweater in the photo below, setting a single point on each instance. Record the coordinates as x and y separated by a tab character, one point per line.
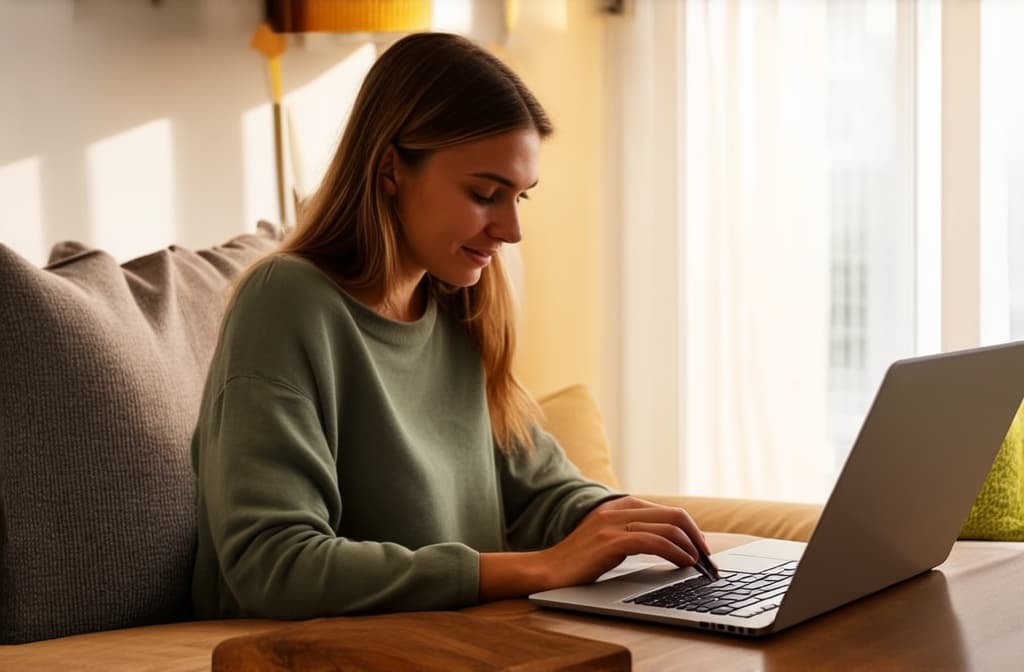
346	464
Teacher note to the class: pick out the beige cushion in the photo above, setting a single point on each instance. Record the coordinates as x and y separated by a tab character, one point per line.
571	415
103	366
777	520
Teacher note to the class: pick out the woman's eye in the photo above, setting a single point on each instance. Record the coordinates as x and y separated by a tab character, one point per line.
493	198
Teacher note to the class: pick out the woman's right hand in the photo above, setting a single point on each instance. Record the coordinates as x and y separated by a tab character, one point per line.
603	539
619	528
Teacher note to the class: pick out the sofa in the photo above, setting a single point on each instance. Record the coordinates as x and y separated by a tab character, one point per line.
103	366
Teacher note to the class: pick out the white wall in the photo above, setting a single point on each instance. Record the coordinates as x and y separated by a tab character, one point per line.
129	126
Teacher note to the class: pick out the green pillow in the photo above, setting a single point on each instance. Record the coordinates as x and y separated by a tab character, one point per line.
998	513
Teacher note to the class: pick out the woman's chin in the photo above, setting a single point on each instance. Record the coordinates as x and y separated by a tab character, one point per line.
461	278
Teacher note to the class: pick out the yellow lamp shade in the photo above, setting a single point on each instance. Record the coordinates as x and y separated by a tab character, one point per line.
343	16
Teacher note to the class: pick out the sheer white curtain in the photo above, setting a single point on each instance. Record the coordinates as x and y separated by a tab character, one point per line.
724	247
1002	170
811	190
756	255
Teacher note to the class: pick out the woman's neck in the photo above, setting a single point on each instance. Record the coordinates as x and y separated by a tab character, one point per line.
407	301
406	304
409	307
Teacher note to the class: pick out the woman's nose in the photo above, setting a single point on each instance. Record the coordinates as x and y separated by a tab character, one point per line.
506	227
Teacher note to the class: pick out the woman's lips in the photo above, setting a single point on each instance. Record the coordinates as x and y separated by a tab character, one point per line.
481	258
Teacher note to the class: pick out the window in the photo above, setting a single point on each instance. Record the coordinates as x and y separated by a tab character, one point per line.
871	217
815	190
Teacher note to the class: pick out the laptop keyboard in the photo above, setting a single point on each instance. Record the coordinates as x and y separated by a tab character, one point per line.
735	593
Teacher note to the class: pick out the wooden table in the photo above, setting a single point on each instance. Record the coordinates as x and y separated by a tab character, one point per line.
967	614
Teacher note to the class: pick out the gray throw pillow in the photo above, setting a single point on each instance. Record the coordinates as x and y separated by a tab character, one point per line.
101	371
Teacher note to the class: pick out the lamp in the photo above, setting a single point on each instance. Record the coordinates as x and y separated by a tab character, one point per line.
348	16
322	16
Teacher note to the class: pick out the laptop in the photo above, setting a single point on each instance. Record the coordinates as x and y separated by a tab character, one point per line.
919	461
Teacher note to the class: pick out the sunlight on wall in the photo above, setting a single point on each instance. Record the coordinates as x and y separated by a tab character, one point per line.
452	16
22	226
315	116
259	186
131	179
317	113
488	22
550	14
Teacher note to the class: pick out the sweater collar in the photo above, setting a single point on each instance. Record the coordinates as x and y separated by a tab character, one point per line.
377	326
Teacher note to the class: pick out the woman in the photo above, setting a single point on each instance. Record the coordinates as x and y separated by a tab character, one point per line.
362	444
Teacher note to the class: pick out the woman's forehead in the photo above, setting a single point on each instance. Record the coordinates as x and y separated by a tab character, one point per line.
511	156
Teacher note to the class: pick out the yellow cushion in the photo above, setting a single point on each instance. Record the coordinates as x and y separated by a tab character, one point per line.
571	415
998	513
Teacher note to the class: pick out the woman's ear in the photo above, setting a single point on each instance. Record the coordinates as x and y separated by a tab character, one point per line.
388	174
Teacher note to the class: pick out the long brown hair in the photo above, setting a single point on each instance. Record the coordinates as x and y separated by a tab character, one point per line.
427	92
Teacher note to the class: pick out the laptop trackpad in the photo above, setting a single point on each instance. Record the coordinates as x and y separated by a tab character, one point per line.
746	563
658	575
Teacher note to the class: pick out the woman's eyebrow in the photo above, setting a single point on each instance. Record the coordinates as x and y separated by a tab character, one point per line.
501	179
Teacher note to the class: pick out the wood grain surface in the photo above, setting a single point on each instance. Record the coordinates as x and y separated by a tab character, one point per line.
424	641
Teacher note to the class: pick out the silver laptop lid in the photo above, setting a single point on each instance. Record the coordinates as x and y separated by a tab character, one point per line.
920	459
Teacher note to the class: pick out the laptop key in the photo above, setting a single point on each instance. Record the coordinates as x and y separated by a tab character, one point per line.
769	594
746	603
757	585
755	609
705	600
735	597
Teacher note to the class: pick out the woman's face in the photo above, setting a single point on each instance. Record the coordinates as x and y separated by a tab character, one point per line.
462	204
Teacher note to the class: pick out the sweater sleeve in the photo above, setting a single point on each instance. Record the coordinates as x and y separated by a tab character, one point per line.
544	495
272	505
